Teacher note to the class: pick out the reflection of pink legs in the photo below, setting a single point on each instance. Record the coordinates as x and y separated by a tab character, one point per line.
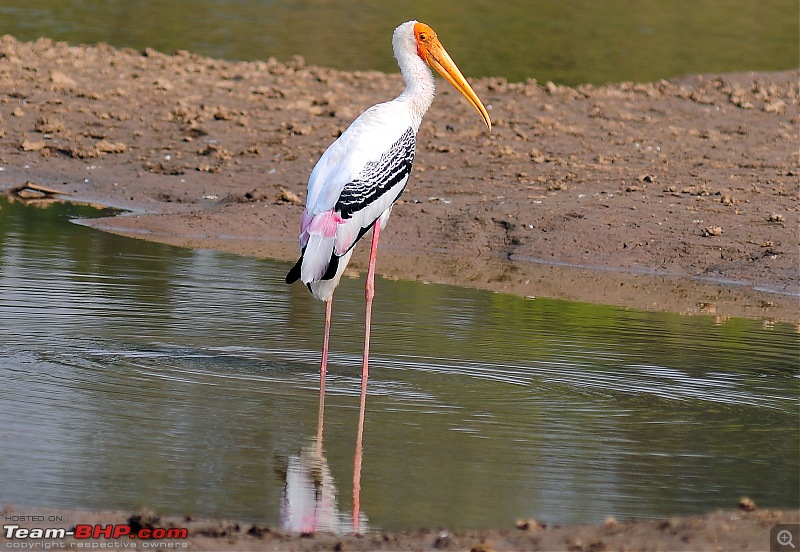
369	293
357	459
323	370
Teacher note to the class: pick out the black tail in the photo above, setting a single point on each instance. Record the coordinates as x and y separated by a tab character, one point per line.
330	272
294	273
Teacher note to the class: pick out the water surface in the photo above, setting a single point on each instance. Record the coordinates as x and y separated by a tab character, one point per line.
567	42
138	374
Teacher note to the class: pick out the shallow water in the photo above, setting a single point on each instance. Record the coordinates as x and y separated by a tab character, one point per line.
134	373
567	42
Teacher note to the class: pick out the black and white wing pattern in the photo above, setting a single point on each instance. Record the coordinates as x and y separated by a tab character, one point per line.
379	178
373	192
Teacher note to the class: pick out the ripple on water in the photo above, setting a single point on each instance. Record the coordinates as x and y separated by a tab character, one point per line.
133	373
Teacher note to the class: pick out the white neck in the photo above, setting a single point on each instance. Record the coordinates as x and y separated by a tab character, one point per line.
420	85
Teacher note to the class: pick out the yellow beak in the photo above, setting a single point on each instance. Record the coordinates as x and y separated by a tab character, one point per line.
437	57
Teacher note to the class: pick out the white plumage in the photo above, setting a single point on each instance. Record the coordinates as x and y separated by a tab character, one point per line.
359	177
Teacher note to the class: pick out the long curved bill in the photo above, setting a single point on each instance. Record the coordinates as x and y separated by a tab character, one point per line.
438	58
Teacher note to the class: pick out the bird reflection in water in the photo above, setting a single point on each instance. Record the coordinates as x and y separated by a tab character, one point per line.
309	499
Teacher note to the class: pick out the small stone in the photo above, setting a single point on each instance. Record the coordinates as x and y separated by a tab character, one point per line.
610	521
286	196
778	106
482	546
530	524
257	531
27	193
709	231
222	113
61	79
104	146
31	145
48	126
747	504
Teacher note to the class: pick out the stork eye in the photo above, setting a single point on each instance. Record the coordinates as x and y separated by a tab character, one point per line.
423	37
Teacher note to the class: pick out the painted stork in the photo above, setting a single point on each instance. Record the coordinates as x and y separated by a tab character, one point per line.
359	177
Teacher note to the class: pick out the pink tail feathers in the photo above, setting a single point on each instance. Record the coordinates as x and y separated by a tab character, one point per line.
318	237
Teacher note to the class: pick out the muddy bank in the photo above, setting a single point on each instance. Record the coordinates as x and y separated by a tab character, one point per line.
719	530
677	195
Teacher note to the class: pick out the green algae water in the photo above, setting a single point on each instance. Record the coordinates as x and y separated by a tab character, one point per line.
137	374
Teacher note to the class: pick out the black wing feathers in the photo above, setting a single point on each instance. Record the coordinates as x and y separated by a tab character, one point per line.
378	177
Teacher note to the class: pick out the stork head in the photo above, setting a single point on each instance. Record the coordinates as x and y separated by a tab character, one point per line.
433	53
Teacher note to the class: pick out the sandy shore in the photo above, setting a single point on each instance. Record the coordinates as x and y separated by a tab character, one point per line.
678	196
716	531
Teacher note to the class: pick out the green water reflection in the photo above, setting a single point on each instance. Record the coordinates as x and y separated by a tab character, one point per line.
134	373
567	42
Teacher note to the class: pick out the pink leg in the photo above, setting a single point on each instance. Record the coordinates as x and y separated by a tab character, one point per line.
370	293
323	369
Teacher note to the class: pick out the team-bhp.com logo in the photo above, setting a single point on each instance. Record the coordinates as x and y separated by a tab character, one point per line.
88	536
